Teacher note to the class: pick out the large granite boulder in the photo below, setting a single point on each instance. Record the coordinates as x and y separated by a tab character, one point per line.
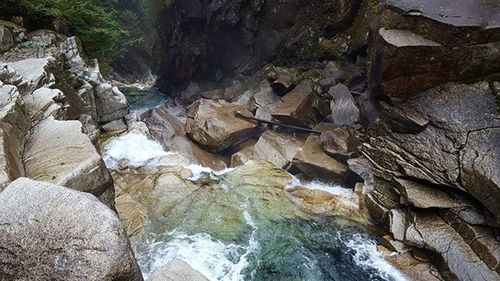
58	152
418	45
44	102
14	127
214	125
169	131
302	107
34	73
176	270
51	232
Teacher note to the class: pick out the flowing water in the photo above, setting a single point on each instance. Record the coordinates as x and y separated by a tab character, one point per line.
240	225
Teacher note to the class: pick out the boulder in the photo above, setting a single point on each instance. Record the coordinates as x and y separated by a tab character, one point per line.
14	127
213	124
418	46
58	152
42	103
344	109
132	214
277	148
170	133
176	270
51	232
314	162
423	196
6	39
302	107
340	143
111	104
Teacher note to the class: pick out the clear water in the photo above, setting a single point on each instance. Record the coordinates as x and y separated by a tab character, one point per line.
142	100
231	226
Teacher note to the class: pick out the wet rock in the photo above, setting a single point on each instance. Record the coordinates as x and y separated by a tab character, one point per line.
302	107
170	133
42	103
214	124
115	126
83	239
417	47
132	213
343	107
362	167
58	152
176	271
6	39
314	162
340	143
14	127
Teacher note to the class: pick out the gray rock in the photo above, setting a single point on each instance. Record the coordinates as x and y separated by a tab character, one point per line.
34	73
14	127
111	104
6	39
343	107
51	232
176	270
58	152
42	104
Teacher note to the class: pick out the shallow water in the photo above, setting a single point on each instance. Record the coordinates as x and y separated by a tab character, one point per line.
142	100
237	225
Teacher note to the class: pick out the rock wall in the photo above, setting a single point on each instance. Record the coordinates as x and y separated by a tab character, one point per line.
434	149
213	40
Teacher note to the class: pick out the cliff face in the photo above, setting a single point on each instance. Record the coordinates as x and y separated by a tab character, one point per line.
212	40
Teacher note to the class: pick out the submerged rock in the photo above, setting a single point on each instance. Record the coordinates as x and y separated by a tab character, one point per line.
48	231
176	270
213	124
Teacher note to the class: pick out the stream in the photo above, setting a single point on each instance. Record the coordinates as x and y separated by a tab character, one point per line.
241	224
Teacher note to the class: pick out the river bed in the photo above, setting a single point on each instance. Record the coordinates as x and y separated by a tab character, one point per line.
241	224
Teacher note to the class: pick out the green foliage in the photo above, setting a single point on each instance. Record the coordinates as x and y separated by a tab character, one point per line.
105	27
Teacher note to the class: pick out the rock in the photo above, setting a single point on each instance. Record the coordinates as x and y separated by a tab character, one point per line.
314	162
169	131
132	213
58	152
277	148
14	127
9	75
343	107
34	73
429	231
362	167
176	270
115	126
214	124
6	39
283	83
417	47
301	107
82	240
422	196
326	83
110	102
339	143
42	104
462	123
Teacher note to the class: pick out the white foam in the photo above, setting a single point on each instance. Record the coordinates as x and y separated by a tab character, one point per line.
216	260
330	188
365	254
136	149
198	171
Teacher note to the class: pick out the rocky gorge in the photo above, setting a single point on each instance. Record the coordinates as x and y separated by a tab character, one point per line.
327	140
